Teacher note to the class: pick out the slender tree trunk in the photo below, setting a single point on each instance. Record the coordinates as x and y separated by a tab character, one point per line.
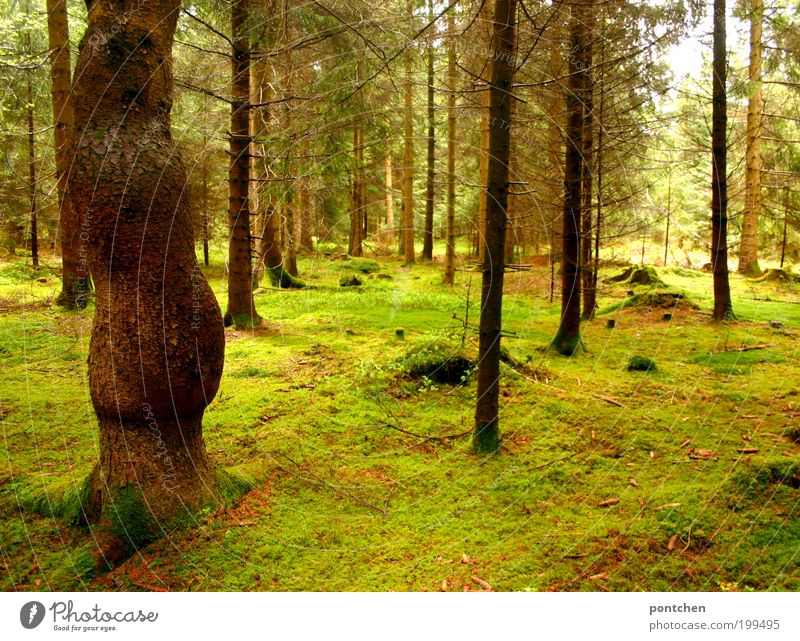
785	220
669	216
357	206
205	210
568	337
408	159
511	231
485	25
450	241
157	346
241	306
427	245
483	175
723	307
306	237
290	226
487	432
74	277
32	171
748	248
555	181
270	257
600	149
389	191
587	178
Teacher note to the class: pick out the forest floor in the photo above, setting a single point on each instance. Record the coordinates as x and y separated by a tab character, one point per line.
681	478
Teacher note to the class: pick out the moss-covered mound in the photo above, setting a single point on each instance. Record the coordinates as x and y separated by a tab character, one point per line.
778	275
361	265
657	298
442	360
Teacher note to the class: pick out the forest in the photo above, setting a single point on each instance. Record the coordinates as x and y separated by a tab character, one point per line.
419	295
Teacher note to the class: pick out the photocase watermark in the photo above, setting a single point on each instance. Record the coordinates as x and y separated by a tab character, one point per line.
31	614
169	477
66	618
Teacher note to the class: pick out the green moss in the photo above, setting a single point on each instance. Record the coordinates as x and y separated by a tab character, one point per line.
279	277
736	361
349	280
441	360
566	344
361	265
65	500
639	363
131	519
308	390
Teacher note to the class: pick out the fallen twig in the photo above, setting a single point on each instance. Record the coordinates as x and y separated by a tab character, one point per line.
422	436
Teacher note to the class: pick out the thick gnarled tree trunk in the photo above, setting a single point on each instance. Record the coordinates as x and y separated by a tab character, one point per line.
157	346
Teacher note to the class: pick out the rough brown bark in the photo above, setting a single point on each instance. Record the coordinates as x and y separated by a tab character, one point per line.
74	274
748	247
356	196
241	310
389	194
486	33
589	295
450	240
427	243
483	176
555	180
157	346
408	158
486	438
32	170
290	234
306	236
568	337
723	308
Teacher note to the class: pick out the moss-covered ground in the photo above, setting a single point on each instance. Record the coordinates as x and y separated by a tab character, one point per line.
683	477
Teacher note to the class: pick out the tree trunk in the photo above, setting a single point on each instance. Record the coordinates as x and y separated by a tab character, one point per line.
408	159
427	245
32	170
748	248
555	181
568	337
450	241
589	296
486	437
74	275
290	233
306	236
511	231
157	346
483	175
205	207
723	307
356	204
241	306
389	231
